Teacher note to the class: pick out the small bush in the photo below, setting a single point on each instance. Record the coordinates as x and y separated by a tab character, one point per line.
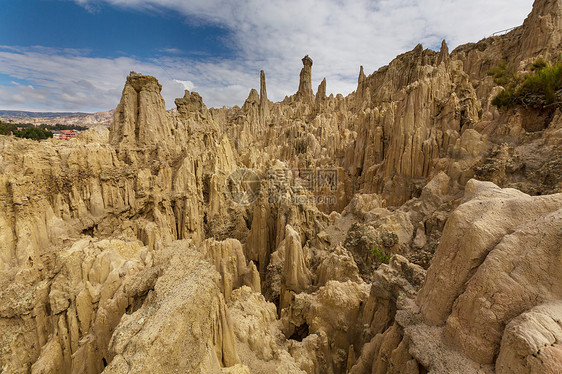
504	74
540	64
380	255
504	99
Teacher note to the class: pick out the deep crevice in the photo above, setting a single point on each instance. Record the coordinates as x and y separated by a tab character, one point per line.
300	333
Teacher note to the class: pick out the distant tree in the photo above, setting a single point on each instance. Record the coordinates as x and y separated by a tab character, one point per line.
58	127
7	128
34	133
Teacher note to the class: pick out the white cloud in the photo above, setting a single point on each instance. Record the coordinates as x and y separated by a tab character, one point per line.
187	85
173	51
269	35
64	80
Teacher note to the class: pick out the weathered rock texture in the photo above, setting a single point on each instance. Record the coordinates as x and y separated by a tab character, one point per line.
410	227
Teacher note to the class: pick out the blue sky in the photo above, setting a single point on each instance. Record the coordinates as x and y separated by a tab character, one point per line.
74	55
106	30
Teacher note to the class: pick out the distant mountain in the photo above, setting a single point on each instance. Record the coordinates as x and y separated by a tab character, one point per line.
22	114
53	118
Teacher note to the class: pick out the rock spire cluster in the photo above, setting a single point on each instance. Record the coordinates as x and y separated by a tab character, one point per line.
408	227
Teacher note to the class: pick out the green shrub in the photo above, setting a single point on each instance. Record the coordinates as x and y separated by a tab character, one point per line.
538	89
380	255
544	83
540	64
504	74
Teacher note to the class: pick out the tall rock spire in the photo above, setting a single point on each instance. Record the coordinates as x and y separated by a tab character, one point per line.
443	53
321	94
264	102
140	119
305	83
361	80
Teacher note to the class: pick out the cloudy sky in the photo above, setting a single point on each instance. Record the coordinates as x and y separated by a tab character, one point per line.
74	55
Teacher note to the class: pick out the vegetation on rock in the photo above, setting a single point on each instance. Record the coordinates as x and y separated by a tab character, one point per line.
380	255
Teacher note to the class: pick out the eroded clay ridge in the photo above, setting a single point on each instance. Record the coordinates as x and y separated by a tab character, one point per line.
409	227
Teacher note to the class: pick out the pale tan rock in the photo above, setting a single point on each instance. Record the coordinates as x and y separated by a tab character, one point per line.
473	233
229	260
338	266
443	54
96	134
531	342
519	273
296	276
323	311
361	84
261	343
321	94
191	105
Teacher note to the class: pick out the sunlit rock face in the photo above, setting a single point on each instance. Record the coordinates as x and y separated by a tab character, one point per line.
409	227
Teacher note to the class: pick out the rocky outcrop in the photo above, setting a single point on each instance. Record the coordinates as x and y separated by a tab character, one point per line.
361	92
186	311
191	105
502	273
75	310
488	262
321	95
473	245
334	310
481	326
229	260
140	118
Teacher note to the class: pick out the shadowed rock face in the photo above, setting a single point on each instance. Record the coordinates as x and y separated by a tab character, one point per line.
305	83
203	241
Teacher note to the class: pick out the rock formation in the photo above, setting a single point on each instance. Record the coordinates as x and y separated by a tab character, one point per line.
409	227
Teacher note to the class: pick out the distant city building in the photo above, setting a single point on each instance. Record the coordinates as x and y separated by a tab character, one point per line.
65	134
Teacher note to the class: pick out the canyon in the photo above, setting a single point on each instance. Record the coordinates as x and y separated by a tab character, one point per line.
409	227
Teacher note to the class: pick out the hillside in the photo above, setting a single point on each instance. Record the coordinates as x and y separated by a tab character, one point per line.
53	118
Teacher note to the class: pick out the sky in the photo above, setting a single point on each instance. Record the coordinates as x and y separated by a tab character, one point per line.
74	55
